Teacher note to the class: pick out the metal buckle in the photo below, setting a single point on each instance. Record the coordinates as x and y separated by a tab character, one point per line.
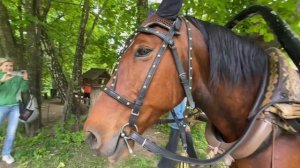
135	114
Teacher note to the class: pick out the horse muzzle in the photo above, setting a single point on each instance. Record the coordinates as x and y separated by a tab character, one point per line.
93	139
112	147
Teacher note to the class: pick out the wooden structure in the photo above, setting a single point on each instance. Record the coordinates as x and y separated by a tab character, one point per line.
96	76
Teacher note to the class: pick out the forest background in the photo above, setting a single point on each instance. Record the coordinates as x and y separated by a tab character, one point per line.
58	40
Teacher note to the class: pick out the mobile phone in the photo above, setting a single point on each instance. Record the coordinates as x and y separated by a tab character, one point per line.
9	74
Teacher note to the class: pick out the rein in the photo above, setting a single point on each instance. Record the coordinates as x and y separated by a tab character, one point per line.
152	147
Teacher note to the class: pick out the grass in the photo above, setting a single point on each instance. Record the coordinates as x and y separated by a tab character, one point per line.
56	147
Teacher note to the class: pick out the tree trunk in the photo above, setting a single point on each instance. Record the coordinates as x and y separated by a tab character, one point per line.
8	46
142	9
75	83
21	52
34	9
54	66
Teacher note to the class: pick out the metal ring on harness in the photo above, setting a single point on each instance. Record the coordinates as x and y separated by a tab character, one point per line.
123	132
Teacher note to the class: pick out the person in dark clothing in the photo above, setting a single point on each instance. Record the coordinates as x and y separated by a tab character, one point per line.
176	134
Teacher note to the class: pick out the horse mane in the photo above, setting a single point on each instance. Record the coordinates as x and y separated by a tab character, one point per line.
233	58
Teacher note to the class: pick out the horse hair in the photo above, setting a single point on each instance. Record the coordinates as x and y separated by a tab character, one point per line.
233	58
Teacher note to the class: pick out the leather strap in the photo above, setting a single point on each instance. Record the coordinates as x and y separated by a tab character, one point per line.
183	77
181	127
167	41
117	97
152	147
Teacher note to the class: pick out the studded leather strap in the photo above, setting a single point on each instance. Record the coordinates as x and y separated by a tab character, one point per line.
167	41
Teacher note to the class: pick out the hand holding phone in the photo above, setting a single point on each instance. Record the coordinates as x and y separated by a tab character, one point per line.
6	76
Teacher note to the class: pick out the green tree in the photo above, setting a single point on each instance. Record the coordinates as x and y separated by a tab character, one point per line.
50	39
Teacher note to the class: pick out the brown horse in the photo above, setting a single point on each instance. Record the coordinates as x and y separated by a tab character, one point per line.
227	74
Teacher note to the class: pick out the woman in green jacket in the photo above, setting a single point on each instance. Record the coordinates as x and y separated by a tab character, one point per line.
10	84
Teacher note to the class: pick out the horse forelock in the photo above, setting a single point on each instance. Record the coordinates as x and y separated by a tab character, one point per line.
233	58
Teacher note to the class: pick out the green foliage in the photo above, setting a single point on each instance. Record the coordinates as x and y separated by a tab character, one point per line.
118	20
198	136
137	162
199	139
162	128
221	12
53	148
57	146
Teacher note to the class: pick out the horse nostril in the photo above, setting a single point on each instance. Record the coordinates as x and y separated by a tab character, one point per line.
93	141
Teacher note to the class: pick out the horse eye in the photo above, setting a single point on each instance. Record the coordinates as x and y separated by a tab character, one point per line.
142	52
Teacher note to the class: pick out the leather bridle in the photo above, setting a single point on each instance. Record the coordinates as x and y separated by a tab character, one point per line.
167	41
187	86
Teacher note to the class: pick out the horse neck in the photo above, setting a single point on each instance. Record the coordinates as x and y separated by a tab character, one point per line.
227	108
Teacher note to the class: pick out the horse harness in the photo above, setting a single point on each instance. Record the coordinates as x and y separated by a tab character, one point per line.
167	41
282	92
173	29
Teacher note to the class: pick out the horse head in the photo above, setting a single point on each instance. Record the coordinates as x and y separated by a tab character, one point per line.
146	78
156	71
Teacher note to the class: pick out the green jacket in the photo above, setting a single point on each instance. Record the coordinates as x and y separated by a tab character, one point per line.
9	90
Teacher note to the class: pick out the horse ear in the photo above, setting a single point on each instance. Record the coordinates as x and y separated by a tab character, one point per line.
169	9
151	11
